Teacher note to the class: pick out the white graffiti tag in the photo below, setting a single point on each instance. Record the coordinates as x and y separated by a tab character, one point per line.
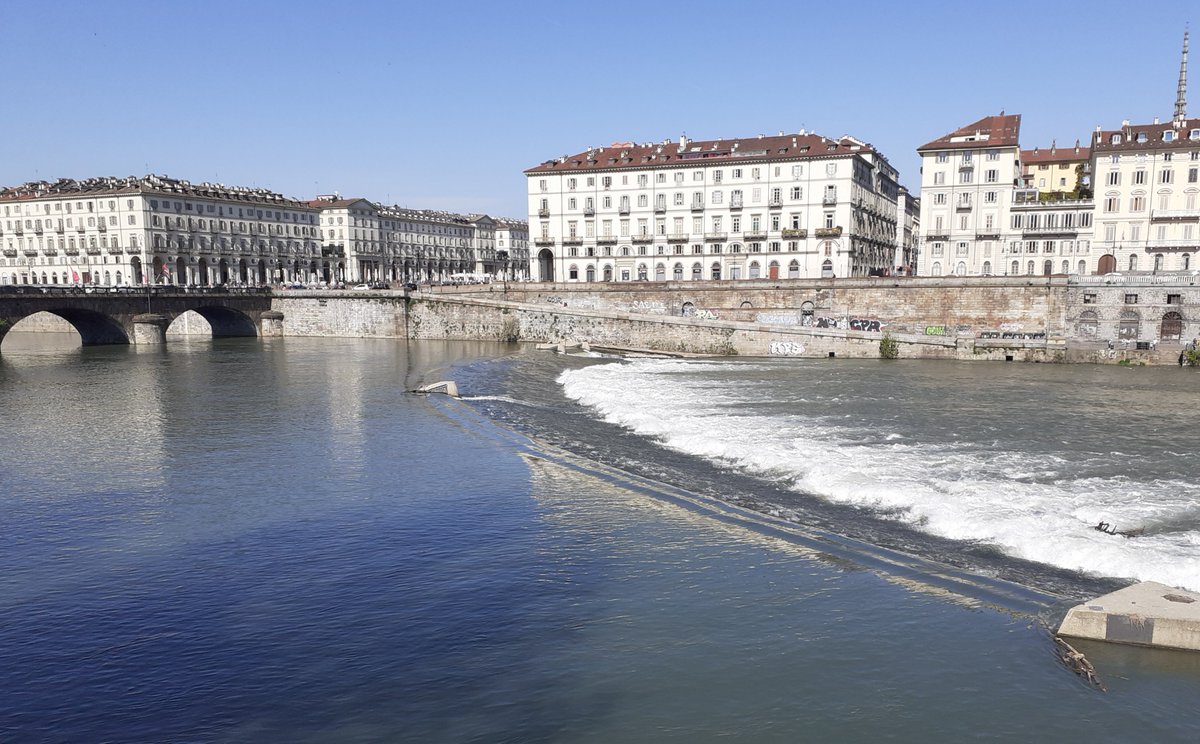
785	348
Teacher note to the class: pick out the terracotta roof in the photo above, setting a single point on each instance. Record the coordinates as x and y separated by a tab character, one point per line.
1054	154
1153	140
703	152
1002	130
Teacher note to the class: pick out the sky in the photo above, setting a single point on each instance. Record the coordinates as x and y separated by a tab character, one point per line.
442	105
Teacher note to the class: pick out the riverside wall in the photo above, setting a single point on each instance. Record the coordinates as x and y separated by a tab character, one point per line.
1052	319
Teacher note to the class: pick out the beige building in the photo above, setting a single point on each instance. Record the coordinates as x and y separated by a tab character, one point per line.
1062	172
791	205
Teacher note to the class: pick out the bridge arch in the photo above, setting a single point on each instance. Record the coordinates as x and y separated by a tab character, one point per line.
94	328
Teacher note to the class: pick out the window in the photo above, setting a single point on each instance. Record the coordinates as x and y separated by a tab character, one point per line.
1166	176
1114	178
541	185
939	198
939	178
991	176
606	181
570	183
943	157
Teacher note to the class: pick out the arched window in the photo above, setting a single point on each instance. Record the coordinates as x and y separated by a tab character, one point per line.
608	273
677	273
755	270
660	273
935	270
773	270
716	270
1172	327
1066	267
1082	269
590	274
1029	268
573	273
794	269
1133	262
987	268
1186	261
1047	267
961	269
1088	324
1127	329
642	273
697	272
1016	268
1158	262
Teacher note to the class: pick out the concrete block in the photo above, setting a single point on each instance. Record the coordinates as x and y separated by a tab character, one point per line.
1145	614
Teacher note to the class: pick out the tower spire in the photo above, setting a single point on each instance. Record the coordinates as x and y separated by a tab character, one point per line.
1181	96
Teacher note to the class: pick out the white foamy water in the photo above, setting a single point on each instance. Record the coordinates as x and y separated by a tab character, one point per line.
1032	499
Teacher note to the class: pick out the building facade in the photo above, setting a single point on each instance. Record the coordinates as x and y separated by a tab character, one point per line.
512	248
1058	172
155	229
792	205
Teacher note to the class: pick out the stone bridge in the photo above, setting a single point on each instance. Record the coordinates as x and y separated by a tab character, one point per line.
141	315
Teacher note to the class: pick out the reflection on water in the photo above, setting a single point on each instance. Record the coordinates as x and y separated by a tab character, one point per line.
272	541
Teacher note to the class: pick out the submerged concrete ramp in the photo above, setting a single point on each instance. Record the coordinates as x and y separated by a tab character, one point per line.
1145	614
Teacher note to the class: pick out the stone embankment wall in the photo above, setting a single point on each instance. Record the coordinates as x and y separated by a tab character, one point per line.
1022	318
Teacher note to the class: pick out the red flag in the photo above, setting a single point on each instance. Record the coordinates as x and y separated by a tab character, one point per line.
74	276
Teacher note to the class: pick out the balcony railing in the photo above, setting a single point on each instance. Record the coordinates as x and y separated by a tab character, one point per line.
1175	214
115	250
754	235
963	207
102	226
697	206
937	236
50	251
37	229
79	228
828	232
715	236
58	228
623	209
735	204
92	250
775	202
29	251
543	213
543	241
71	251
10	252
572	240
795	233
589	211
660	208
606	239
677	238
829	201
643	238
1066	232
987	236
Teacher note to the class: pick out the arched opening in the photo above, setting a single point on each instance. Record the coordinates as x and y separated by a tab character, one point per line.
1133	262
590	273
987	268
546	265
136	276
1016	268
1107	264
223	271
827	269
660	273
936	269
755	270
262	272
773	270
697	272
181	275
642	273
1047	267
243	271
1029	268
688	309
227	323
1082	269
1158	262
158	269
64	327
715	271
807	310
1088	324
1128	327
677	272
202	276
961	268
608	273
1171	328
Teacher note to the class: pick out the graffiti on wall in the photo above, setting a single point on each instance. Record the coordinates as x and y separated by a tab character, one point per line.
777	318
785	348
1023	336
652	307
845	324
865	324
935	330
703	314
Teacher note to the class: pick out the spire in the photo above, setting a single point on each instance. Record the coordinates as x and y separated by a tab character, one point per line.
1181	96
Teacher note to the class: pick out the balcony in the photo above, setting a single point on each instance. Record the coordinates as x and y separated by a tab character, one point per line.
735	204
713	237
1153	246
71	251
677	238
643	238
967	165
623	209
697	206
79	228
828	232
10	252
987	236
58	228
543	213
19	230
795	233
660	208
938	236
115	250
37	229
572	240
29	251
607	240
589	211
543	241
962	207
102	227
775	203
754	235
829	200
49	251
92	250
1160	215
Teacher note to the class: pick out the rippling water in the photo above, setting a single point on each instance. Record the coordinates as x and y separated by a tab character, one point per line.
272	541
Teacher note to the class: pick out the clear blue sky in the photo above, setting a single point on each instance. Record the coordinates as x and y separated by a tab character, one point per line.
443	104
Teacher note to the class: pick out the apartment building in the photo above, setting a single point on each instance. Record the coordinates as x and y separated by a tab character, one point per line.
154	229
766	207
1054	171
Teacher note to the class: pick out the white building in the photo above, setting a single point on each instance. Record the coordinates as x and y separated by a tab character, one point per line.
512	248
967	182
792	205
154	229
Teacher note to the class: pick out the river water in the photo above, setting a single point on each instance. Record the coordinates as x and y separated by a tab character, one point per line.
248	540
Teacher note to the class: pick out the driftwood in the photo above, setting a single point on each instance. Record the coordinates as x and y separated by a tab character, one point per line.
1111	529
1078	663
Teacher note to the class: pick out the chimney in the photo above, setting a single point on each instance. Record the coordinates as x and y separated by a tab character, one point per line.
683	140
